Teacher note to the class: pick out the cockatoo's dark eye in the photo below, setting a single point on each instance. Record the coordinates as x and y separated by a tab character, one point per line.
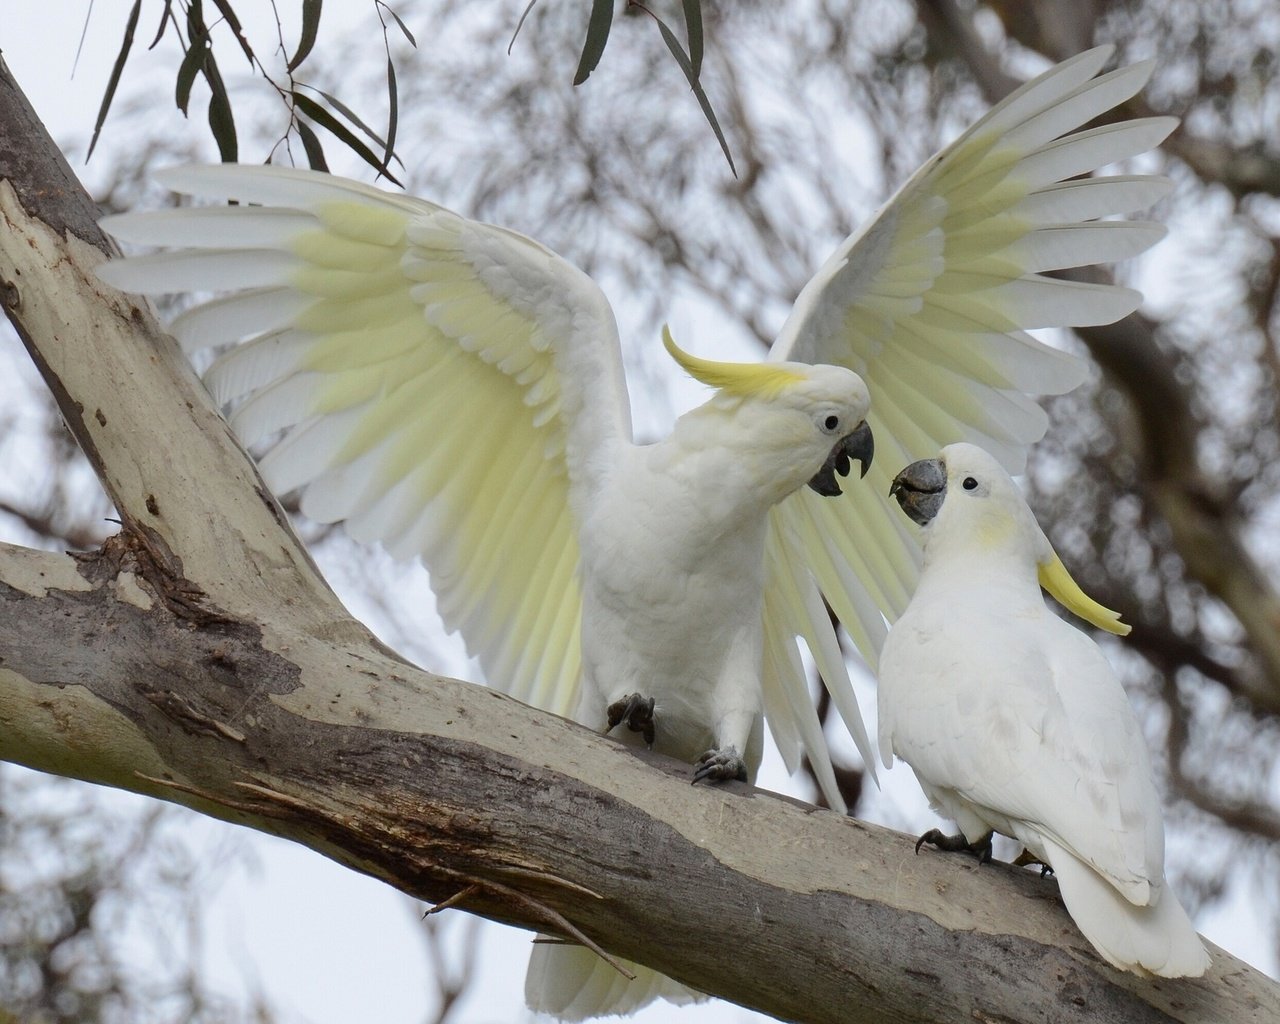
969	483
831	422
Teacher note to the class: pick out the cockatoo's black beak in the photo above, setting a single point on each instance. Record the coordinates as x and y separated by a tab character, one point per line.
920	489
859	445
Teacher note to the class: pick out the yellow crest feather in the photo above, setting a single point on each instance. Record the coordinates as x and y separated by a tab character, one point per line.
1066	591
740	379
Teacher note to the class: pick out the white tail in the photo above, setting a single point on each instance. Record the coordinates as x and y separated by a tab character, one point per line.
1155	939
572	983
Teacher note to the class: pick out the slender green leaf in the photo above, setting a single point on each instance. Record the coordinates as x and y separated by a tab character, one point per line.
345	111
223	125
403	27
197	30
598	26
233	22
117	70
310	28
222	121
677	51
195	19
165	16
311	143
191	64
393	114
693	27
322	117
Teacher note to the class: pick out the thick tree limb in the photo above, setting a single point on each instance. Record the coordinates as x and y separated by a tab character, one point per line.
440	787
198	657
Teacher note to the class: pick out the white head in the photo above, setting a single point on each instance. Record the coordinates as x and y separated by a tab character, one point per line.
800	423
965	499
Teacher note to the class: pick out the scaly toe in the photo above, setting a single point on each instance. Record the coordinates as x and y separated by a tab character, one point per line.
720	766
637	712
957	844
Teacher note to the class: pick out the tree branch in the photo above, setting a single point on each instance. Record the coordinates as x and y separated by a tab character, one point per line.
435	785
1205	525
198	657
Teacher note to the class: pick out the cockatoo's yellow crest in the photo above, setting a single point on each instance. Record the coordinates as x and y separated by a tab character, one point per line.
740	379
1066	591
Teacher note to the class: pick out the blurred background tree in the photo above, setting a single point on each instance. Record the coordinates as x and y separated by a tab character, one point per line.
1159	480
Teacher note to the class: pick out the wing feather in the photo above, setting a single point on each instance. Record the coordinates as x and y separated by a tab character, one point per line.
786	691
930	303
434	382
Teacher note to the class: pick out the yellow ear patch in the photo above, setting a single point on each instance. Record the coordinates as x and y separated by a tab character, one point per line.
1066	591
741	379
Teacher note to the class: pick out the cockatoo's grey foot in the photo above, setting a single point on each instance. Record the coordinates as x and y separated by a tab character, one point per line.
720	765
1026	858
957	844
637	712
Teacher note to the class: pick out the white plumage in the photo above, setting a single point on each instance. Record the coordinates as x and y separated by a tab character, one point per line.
1014	721
455	392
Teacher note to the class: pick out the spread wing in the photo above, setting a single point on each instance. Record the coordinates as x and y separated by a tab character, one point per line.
930	304
438	384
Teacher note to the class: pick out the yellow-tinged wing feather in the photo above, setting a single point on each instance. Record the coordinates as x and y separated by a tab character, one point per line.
930	303
440	385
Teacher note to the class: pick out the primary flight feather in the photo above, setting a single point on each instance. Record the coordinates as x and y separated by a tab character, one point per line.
1014	721
455	392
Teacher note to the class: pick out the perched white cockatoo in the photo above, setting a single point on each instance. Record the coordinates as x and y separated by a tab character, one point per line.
1013	720
455	391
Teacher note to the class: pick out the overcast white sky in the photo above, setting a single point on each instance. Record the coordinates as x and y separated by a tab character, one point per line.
328	945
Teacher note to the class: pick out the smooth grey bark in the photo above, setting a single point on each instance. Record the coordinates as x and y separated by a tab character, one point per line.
199	657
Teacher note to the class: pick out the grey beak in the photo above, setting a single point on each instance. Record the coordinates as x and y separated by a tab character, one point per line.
920	489
859	445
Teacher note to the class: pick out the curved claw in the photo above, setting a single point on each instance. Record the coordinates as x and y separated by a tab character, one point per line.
719	766
1026	857
637	712
957	844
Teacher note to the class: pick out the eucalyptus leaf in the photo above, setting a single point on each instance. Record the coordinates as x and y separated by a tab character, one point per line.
222	121
313	110
393	113
192	62
233	22
310	29
682	58
403	27
598	26
117	70
311	143
693	28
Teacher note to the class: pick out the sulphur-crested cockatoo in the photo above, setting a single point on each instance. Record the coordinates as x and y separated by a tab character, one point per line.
1014	721
455	391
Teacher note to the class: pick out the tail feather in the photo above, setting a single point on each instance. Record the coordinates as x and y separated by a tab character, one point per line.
572	983
1155	939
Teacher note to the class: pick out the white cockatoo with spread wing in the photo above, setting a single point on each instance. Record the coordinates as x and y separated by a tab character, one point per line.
1014	721
455	392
